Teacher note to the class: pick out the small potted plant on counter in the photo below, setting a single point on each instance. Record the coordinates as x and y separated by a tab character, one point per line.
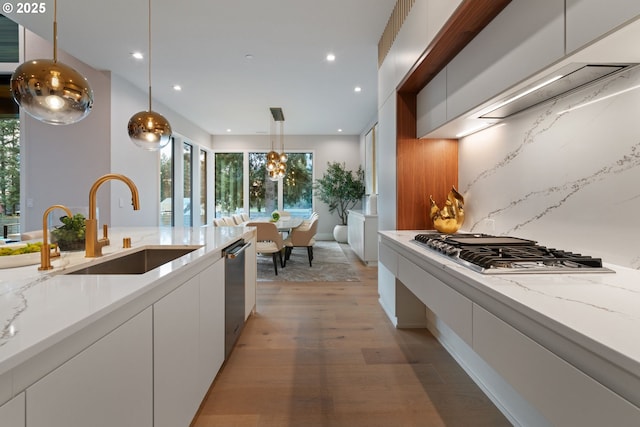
70	235
341	189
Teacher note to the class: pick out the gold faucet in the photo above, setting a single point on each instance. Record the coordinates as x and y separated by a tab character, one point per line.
45	250
93	246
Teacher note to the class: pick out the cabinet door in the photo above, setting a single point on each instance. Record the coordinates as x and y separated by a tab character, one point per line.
524	38
175	349
211	324
108	384
563	394
12	412
582	27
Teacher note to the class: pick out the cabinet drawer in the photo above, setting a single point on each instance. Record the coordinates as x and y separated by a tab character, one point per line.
563	394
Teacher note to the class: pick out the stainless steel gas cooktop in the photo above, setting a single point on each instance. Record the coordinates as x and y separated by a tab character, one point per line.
507	255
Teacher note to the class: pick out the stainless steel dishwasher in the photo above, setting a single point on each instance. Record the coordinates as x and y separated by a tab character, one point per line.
233	293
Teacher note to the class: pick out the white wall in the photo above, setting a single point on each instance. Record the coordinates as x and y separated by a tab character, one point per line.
326	148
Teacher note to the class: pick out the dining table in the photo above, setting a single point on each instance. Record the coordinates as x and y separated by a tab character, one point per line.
284	224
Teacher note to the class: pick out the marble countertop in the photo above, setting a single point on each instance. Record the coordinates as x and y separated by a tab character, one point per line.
39	309
599	312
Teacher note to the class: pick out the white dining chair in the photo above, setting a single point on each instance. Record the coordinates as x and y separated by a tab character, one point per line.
269	241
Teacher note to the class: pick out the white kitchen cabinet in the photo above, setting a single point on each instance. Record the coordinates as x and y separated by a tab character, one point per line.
562	393
12	412
526	37
211	324
588	20
108	384
176	370
449	305
432	104
363	236
250	278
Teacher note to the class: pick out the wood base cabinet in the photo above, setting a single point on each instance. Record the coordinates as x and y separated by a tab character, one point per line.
108	384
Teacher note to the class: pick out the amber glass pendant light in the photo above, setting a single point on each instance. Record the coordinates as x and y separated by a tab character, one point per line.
51	91
276	162
148	129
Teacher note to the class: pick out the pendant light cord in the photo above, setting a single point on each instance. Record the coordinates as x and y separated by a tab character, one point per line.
149	55
55	31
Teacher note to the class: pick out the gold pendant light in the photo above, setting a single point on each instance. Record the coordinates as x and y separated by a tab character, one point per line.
148	129
276	163
51	91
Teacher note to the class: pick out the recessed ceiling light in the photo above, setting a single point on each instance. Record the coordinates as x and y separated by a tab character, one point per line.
331	57
357	89
228	130
339	130
177	87
137	55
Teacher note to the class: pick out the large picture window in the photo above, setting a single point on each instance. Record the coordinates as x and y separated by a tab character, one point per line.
228	184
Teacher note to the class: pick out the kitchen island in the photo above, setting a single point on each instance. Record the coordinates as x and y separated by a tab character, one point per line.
127	350
566	343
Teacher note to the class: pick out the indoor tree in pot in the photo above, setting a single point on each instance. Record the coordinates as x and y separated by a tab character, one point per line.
341	189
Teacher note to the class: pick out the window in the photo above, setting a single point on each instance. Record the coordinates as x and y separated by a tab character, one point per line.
166	184
228	184
294	193
187	152
298	185
203	187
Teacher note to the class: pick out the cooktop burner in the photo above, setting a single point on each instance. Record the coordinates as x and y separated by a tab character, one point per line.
508	255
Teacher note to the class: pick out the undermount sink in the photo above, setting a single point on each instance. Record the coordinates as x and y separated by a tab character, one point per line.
138	262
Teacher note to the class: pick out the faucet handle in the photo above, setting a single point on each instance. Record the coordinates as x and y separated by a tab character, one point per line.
105	232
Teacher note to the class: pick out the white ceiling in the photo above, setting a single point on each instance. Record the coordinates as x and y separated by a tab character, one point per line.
202	45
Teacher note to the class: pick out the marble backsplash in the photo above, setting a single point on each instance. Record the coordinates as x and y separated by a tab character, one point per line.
567	179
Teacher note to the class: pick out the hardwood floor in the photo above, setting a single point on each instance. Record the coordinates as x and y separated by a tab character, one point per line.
325	354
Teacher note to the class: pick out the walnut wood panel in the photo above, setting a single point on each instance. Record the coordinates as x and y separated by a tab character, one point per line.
425	167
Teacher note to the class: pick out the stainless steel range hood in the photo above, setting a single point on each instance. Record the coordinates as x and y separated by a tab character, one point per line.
562	82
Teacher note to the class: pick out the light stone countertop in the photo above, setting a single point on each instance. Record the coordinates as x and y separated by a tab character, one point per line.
596	312
40	309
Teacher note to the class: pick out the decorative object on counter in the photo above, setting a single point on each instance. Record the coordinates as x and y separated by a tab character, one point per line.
51	91
70	235
341	189
450	218
148	129
21	254
93	246
277	162
45	251
275	216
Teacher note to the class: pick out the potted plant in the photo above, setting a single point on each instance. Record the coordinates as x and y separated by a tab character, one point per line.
341	189
70	235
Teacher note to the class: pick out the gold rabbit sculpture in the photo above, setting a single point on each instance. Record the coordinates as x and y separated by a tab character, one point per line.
450	218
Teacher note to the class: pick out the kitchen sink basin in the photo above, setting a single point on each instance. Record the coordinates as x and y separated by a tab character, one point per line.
137	262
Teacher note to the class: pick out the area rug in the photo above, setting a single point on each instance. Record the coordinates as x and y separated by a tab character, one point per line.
329	265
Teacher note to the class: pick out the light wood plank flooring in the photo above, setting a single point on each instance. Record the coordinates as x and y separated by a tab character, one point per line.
325	354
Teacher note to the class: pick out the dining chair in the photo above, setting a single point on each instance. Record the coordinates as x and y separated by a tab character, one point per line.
229	221
245	216
269	241
302	236
218	222
237	219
